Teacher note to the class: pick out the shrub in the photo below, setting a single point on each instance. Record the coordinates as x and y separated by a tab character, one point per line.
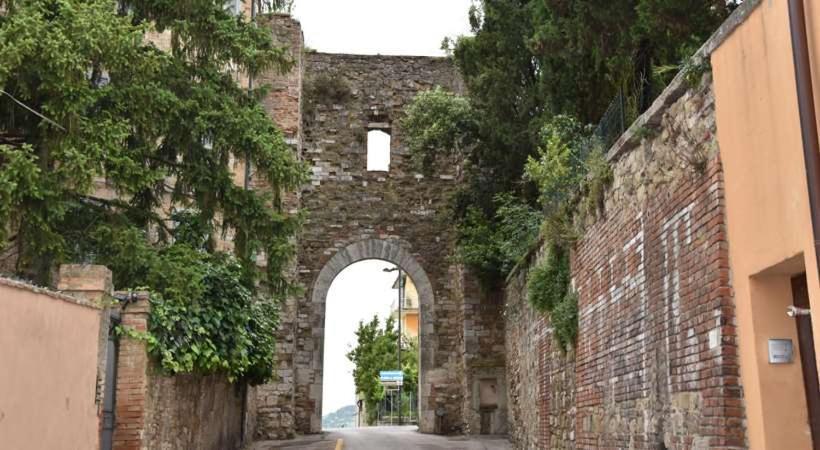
548	291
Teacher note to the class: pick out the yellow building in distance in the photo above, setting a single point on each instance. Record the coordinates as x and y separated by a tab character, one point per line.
409	308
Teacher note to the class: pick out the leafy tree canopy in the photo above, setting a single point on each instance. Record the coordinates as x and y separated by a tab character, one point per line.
160	128
376	350
117	152
528	64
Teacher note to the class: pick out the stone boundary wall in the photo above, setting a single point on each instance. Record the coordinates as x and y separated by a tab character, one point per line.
154	411
540	377
483	354
655	364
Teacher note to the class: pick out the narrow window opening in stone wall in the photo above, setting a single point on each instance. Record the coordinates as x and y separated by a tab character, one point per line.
378	151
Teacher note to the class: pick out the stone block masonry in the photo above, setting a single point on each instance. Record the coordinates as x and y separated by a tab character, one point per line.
347	204
326	106
655	364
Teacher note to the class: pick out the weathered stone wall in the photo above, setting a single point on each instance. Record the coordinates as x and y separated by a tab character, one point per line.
154	411
483	354
541	378
348	204
193	411
655	360
274	401
326	105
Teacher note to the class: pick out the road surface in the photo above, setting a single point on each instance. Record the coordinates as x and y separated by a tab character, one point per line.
386	438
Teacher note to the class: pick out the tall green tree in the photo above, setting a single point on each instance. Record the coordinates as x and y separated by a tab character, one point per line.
377	350
117	152
528	62
87	97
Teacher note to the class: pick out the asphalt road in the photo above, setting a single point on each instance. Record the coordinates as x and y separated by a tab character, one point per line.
386	438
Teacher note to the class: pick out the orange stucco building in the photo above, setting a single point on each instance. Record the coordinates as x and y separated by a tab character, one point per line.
768	216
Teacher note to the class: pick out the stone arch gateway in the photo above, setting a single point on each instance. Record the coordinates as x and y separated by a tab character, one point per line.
393	252
326	106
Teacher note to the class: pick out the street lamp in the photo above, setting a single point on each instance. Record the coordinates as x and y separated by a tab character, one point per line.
401	294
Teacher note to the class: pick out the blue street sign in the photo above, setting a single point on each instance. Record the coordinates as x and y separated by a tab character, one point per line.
391	376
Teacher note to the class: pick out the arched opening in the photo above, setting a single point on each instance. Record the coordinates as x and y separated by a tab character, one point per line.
369	305
359	282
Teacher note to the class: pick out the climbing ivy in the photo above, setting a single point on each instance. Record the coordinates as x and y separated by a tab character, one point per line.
204	317
217	327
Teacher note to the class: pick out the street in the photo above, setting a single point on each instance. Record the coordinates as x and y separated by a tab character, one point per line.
381	438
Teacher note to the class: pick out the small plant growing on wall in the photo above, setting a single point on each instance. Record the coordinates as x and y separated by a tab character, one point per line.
549	291
327	89
572	174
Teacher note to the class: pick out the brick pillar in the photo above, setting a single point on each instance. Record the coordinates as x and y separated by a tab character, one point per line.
86	281
132	379
93	284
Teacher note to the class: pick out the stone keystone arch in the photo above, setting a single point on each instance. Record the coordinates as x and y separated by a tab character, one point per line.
373	249
390	251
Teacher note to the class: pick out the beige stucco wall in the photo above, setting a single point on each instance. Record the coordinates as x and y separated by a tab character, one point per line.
767	214
48	370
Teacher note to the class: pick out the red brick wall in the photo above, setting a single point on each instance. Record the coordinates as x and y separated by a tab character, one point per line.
656	358
656	346
132	381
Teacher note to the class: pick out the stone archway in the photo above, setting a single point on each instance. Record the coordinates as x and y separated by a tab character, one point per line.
353	213
390	251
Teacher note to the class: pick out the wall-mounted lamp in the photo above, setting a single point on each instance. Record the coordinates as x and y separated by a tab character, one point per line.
794	311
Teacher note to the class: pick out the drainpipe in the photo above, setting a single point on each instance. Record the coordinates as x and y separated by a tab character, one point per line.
808	115
247	183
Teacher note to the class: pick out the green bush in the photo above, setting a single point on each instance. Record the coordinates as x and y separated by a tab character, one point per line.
493	247
205	320
438	124
548	281
205	315
548	291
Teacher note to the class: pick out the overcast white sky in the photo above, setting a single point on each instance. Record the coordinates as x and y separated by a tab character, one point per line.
358	293
387	27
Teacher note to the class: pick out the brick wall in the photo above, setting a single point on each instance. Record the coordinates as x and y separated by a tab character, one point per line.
154	411
656	357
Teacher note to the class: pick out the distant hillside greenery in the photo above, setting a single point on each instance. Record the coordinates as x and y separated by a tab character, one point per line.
344	417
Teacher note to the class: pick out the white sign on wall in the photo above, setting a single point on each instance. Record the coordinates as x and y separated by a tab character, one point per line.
781	351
